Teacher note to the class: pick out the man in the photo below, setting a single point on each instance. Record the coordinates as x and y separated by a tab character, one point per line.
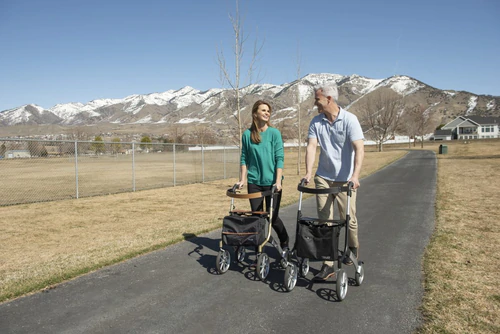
339	135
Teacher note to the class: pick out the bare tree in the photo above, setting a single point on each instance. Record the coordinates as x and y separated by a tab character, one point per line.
381	115
299	116
424	121
3	149
176	134
204	135
77	133
234	81
408	125
36	149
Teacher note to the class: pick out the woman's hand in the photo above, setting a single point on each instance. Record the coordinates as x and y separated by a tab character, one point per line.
240	184
278	186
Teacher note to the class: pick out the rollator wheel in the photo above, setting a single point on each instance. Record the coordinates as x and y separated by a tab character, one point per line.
360	274
240	254
262	267
284	260
304	267
290	277
341	284
223	261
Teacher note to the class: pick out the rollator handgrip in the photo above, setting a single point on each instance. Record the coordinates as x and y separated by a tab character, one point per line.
350	187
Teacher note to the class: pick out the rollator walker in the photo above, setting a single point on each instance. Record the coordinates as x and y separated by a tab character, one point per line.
319	240
244	228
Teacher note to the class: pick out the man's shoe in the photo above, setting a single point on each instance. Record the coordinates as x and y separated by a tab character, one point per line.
325	273
347	260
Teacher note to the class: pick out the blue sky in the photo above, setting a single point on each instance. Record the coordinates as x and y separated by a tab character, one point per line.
61	51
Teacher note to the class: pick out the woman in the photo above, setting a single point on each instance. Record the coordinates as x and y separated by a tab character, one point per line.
261	166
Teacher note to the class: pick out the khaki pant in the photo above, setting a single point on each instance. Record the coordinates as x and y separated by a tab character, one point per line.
326	209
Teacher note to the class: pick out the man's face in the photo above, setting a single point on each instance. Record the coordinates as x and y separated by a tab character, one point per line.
320	100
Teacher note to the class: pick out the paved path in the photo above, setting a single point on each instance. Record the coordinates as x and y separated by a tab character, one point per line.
175	290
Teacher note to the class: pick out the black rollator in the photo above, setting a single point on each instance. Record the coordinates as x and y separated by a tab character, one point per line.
318	240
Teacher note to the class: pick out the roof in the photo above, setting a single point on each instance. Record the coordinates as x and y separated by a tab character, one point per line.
485	120
469	123
478	120
453	124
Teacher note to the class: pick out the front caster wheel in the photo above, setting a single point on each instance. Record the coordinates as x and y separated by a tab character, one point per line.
240	254
304	267
290	277
262	267
285	257
360	274
223	261
341	284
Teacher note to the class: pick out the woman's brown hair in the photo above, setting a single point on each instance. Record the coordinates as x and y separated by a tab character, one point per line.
255	133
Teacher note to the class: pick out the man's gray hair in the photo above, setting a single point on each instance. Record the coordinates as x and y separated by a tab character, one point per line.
328	89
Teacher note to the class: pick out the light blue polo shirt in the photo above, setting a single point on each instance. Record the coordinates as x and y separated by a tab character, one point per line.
336	159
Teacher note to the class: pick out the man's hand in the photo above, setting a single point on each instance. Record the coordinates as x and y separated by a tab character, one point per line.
306	179
355	182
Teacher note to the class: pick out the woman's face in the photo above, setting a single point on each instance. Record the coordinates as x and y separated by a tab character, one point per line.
263	114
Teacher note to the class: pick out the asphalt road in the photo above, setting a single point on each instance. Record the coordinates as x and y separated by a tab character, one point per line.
176	290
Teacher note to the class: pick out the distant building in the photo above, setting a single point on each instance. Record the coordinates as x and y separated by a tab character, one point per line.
473	127
53	150
12	154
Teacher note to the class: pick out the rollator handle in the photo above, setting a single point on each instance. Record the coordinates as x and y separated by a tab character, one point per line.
350	187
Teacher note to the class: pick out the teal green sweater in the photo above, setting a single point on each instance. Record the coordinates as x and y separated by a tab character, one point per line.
264	158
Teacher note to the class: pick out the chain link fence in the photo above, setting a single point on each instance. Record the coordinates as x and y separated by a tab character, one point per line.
39	170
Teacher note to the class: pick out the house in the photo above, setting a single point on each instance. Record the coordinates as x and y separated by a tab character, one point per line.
11	154
472	127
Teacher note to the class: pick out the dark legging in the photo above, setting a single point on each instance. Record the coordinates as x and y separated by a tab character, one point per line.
258	203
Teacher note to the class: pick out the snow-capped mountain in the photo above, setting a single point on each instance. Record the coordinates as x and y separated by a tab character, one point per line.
189	105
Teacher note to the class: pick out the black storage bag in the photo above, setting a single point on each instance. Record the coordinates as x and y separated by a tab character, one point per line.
243	230
317	241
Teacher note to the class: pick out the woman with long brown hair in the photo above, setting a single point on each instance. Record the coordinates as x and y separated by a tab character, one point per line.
261	166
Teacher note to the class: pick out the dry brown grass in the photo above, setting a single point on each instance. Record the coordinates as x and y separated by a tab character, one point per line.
462	261
45	243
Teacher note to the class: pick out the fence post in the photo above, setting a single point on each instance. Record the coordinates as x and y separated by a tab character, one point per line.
173	150
76	169
202	164
224	160
133	166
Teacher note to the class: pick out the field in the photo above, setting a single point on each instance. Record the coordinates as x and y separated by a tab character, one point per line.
55	178
42	244
462	262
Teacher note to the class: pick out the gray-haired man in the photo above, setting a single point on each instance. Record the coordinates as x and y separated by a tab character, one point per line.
339	135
